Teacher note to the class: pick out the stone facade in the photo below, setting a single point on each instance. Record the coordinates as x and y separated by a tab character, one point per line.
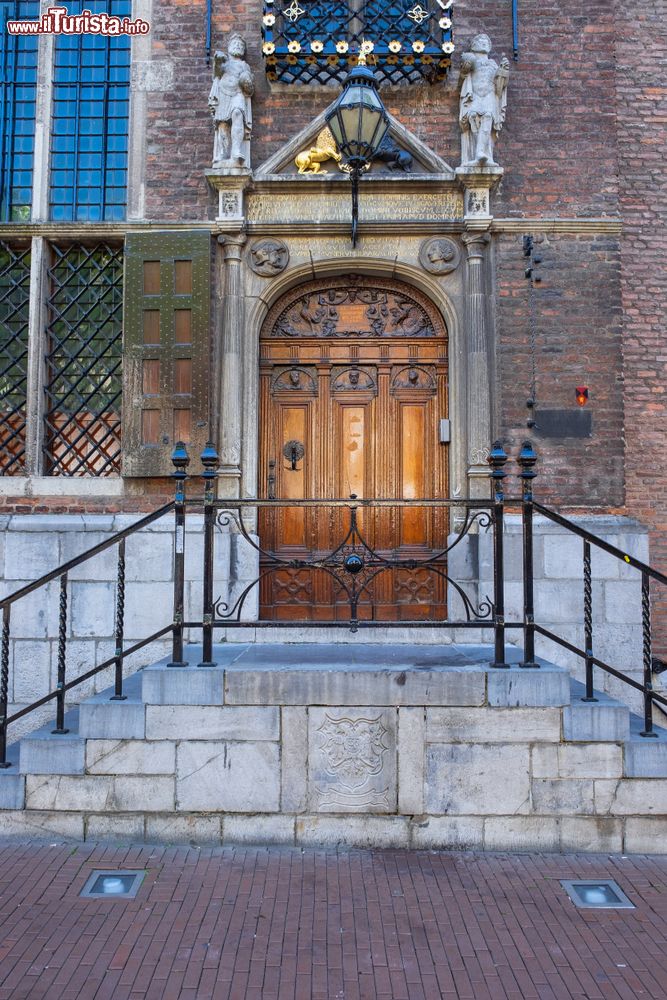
579	178
494	759
574	204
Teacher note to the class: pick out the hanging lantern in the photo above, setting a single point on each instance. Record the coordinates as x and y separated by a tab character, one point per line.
358	121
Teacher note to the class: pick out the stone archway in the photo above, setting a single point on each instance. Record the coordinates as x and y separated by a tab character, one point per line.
354	383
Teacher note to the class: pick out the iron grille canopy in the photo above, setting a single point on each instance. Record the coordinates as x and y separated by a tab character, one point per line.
406	41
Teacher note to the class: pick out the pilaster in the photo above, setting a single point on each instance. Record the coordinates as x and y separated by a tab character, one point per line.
230	183
477	356
231	374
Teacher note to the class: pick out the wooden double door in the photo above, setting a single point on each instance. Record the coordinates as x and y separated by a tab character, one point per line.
353	386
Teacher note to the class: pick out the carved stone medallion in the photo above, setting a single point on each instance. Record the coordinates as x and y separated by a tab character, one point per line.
439	255
268	257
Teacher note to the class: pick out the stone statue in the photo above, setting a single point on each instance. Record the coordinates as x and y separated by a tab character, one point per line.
229	103
483	102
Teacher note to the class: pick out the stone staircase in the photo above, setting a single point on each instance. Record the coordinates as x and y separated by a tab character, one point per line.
357	744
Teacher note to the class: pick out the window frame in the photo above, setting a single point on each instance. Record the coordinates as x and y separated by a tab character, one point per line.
39	231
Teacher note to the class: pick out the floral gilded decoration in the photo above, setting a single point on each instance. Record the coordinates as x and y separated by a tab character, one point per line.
404	41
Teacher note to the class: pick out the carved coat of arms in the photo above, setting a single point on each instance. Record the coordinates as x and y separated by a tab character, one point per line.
353	749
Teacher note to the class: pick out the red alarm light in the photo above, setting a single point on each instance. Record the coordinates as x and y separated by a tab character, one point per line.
582	395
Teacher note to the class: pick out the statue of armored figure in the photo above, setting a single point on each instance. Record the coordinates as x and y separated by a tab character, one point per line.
230	106
483	102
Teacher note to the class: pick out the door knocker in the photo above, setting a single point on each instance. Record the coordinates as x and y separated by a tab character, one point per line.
293	452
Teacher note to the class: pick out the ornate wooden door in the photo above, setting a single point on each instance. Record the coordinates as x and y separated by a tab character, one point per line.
353	385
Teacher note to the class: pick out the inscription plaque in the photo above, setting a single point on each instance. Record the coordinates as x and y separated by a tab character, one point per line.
334	206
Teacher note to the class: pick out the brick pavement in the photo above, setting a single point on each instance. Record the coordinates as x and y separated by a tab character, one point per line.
320	925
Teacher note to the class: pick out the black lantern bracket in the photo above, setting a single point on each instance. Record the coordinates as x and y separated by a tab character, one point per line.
358	121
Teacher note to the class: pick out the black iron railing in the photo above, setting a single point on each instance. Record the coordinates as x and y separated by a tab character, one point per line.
648	575
352	562
63	685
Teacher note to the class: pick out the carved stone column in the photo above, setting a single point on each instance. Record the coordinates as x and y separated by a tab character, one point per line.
231	375
478	364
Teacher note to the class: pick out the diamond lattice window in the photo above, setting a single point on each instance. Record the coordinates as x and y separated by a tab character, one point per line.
14	300
406	41
83	361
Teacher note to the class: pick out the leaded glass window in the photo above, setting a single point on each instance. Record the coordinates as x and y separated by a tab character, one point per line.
18	84
89	140
406	41
14	299
83	383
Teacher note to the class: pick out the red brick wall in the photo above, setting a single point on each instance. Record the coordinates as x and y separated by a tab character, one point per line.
577	342
641	52
559	153
558	145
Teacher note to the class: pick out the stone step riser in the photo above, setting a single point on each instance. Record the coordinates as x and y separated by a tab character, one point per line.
568	834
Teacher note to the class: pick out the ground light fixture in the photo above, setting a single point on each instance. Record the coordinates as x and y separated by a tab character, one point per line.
111	884
599	894
358	121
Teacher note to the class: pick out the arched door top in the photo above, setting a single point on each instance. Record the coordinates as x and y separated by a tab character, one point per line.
352	307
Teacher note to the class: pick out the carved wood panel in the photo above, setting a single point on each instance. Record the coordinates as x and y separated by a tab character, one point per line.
362	401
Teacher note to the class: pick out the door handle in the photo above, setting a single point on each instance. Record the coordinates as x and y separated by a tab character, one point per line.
294	452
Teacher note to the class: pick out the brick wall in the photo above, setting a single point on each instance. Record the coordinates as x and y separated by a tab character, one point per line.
558	146
577	341
641	53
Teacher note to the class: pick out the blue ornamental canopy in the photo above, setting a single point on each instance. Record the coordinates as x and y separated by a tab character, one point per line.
405	41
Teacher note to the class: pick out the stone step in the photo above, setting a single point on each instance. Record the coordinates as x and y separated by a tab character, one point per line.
645	757
267	676
46	752
102	718
353	674
603	720
349	744
12	782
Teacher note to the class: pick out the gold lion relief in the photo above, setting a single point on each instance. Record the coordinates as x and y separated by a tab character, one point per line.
308	161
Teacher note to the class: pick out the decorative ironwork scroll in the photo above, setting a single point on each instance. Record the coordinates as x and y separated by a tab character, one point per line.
352	565
316	41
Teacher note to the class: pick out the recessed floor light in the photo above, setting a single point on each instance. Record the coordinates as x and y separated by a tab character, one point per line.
599	894
112	884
